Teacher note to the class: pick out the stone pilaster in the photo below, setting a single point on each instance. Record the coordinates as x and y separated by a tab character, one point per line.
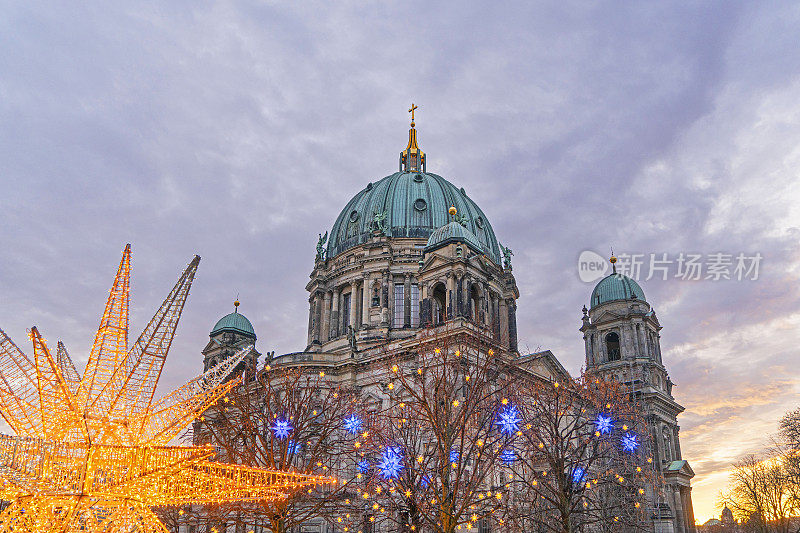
334	325
353	304
365	301
326	317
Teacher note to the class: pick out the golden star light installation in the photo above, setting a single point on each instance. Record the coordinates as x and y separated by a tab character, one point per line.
92	453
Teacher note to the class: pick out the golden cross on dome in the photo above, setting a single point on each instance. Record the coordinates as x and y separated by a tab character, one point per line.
413	108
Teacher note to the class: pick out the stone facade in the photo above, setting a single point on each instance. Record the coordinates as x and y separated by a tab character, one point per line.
622	341
411	255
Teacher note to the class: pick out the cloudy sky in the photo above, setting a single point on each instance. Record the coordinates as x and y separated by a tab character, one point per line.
238	131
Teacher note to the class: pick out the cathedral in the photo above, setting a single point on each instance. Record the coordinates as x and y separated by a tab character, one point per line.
412	251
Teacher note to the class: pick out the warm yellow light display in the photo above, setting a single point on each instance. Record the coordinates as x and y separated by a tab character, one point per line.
92	453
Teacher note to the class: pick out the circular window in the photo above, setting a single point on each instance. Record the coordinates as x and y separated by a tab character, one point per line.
479	222
353	216
418	178
420	204
369	186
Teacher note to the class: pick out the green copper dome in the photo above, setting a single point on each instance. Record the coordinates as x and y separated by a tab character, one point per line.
236	323
454	232
414	204
616	287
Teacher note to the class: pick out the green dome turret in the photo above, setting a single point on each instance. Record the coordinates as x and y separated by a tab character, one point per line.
454	232
616	287
408	205
235	323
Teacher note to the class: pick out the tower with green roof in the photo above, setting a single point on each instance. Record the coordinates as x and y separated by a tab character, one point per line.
622	341
230	334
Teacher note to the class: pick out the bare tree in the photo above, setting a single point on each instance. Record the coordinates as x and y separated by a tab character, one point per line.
290	419
582	457
434	464
764	490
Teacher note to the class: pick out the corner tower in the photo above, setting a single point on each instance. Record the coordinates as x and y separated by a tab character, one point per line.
622	341
230	334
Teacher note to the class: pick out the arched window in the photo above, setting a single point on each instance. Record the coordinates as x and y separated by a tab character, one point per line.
612	346
439	302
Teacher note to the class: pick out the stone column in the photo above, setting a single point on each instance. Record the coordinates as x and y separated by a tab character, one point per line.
365	297
496	317
407	301
326	317
680	525
504	337
353	306
317	316
461	303
310	319
512	325
334	325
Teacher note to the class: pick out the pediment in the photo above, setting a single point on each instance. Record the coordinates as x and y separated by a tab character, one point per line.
679	468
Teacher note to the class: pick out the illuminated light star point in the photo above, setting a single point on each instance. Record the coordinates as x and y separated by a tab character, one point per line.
604	424
578	475
630	442
507	457
352	424
391	463
508	420
281	428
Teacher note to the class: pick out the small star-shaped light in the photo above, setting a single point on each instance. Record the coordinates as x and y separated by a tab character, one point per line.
630	442
604	424
508	420
391	462
353	424
281	428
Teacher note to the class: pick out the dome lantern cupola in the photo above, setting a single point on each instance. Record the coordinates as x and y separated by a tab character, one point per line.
615	287
412	159
235	323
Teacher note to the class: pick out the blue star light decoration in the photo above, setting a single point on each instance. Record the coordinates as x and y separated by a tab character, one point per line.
508	420
294	447
454	455
604	424
578	475
353	424
391	463
364	466
507	457
630	442
281	428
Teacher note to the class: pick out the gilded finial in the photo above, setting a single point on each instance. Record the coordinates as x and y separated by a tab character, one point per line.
452	211
411	110
236	305
412	159
613	261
